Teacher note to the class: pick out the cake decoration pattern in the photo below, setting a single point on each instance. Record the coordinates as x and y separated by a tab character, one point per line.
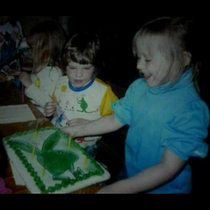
56	166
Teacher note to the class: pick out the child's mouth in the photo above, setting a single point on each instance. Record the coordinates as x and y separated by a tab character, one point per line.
146	77
78	81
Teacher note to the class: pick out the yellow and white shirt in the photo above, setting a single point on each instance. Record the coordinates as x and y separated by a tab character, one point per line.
89	102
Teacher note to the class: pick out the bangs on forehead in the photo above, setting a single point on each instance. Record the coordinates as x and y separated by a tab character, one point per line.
151	44
143	45
80	58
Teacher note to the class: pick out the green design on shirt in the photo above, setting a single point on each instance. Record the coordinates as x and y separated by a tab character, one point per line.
83	105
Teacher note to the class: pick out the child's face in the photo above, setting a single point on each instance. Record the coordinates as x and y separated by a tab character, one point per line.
79	74
151	61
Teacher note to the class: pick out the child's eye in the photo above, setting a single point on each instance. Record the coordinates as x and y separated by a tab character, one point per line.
147	60
87	67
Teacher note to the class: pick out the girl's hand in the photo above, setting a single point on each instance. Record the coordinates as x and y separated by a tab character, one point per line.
50	109
75	126
25	79
71	131
78	121
100	126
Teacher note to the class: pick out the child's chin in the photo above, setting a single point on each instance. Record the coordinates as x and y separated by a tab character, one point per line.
152	85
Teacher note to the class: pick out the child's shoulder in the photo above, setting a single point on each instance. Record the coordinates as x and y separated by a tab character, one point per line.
140	82
102	83
54	73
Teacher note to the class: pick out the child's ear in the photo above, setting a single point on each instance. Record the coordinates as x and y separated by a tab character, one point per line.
186	58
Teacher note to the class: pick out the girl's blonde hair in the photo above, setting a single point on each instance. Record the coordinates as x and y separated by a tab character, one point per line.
46	41
83	48
176	36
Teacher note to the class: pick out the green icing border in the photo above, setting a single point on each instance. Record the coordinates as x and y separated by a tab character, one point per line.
99	171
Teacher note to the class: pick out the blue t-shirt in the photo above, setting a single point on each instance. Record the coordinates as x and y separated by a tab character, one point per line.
164	117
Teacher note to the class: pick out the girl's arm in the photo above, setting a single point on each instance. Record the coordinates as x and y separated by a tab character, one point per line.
101	126
150	178
25	79
37	95
77	121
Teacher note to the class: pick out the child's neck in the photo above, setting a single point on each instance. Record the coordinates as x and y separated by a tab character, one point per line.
84	87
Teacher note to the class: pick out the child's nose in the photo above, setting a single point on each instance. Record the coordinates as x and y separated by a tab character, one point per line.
140	64
79	73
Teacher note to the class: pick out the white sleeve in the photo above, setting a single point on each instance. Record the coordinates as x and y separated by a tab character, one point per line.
42	95
37	95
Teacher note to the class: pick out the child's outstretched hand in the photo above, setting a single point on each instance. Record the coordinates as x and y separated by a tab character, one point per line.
74	126
50	108
71	131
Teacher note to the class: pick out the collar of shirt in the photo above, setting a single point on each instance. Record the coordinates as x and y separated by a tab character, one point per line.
185	79
82	88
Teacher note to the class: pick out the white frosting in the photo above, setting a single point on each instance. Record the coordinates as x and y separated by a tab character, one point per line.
84	162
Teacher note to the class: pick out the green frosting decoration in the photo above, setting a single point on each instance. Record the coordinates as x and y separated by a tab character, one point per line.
53	160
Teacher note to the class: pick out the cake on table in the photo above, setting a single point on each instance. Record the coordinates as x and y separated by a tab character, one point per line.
48	161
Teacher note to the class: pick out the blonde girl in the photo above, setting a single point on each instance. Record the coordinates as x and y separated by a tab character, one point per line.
167	118
46	42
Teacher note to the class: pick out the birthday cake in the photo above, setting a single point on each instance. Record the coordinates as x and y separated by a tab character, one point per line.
48	161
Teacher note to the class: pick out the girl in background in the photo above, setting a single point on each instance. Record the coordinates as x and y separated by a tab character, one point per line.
46	41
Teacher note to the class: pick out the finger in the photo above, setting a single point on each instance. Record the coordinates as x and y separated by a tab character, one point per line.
68	131
71	123
50	104
48	114
74	122
68	123
50	109
65	130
